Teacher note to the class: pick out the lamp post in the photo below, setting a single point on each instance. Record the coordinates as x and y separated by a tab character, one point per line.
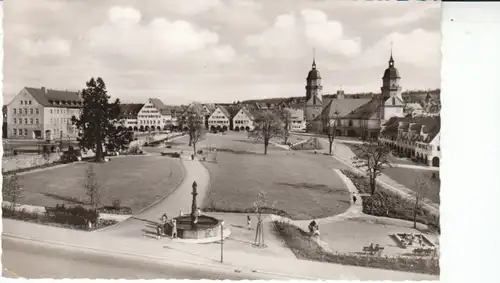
222	241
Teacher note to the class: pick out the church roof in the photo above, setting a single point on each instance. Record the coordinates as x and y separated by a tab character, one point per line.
313	73
343	106
130	110
365	111
391	72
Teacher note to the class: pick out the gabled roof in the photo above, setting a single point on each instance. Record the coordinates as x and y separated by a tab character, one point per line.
56	98
246	112
365	111
343	106
157	103
224	111
130	110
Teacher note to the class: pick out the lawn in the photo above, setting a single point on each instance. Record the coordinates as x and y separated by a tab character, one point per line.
407	177
301	184
136	181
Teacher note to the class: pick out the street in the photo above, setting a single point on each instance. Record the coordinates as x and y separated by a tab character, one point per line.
27	259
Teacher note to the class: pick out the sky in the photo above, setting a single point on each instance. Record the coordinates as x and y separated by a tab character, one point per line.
217	50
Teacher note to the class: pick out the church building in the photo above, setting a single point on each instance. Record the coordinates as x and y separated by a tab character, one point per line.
355	117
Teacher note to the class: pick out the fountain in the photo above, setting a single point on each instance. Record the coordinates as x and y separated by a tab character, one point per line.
197	226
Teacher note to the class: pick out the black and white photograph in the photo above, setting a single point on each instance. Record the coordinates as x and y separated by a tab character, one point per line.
221	139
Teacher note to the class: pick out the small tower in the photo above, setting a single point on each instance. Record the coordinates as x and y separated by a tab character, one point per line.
314	90
391	98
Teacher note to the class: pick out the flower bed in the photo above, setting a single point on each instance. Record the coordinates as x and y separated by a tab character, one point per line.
388	204
306	248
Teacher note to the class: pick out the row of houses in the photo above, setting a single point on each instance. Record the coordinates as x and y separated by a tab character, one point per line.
42	113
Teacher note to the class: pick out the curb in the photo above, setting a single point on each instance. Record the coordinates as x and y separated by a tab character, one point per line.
168	260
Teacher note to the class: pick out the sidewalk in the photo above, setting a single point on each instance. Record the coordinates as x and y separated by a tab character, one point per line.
287	268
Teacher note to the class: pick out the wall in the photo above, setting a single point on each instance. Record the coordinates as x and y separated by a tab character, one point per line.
22	161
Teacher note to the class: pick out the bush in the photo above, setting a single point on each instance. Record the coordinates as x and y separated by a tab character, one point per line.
122	210
304	247
135	150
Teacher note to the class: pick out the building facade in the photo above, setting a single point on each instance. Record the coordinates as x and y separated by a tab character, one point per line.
219	120
297	122
243	120
40	113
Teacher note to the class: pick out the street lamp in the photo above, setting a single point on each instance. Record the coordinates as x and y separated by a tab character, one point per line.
222	241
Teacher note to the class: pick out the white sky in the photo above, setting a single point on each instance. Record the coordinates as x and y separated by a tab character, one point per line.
217	50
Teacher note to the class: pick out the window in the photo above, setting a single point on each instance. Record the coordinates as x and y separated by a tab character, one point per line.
37	121
29	102
14	132
31	121
50	111
15	120
393	101
21	102
15	111
439	148
25	132
37	111
20	121
25	120
26	111
31	111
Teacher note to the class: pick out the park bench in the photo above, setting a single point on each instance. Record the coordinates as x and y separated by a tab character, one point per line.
372	250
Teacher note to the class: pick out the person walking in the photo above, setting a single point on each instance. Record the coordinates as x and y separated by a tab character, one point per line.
174	228
249	222
354	198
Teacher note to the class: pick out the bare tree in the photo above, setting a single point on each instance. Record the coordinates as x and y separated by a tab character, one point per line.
330	127
373	158
261	203
420	192
92	188
12	190
268	125
286	116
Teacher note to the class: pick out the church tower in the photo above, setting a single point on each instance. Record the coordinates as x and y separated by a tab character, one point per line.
391	98
314	90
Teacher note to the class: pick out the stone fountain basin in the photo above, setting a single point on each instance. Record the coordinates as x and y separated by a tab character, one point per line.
207	227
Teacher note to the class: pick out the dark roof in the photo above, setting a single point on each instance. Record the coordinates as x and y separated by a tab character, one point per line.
343	107
391	73
313	75
365	111
130	110
157	103
224	111
56	98
429	125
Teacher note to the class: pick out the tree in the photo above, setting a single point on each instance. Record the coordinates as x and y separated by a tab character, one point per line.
119	139
12	190
331	129
259	205
372	157
267	126
97	120
92	188
286	117
192	120
420	191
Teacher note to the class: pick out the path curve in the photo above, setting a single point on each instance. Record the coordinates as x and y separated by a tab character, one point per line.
178	199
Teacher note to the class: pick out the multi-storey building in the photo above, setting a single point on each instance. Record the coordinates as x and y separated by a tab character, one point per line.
243	120
297	122
414	137
41	113
154	116
220	119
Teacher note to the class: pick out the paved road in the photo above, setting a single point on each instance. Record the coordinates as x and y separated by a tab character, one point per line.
22	258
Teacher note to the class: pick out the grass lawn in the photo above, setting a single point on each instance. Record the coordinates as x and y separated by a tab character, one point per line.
302	184
137	181
305	248
407	177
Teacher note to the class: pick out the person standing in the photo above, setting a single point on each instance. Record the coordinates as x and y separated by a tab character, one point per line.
354	198
174	228
249	222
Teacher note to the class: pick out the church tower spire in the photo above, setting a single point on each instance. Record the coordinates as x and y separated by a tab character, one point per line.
314	59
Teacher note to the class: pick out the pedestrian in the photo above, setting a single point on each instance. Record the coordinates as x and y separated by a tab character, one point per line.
158	232
174	228
249	222
164	218
192	156
181	213
354	198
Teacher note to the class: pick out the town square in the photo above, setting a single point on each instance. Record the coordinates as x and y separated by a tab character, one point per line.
331	177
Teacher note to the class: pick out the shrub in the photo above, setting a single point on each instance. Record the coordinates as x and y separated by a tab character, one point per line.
389	204
304	247
134	150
